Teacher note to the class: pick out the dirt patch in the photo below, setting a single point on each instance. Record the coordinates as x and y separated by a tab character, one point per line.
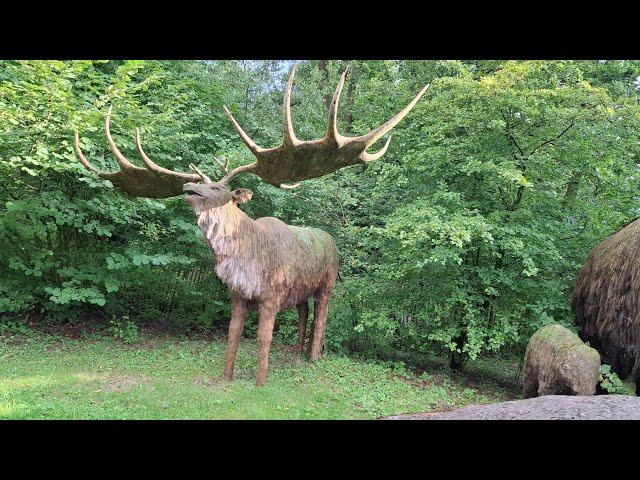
549	407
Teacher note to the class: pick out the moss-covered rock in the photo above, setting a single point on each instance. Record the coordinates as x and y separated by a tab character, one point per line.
557	362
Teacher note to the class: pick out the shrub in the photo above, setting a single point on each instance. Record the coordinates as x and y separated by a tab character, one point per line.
610	382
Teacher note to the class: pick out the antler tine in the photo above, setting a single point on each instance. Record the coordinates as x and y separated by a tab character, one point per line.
255	149
370	157
371	137
81	157
229	175
284	186
332	129
288	133
204	178
122	161
224	166
250	167
154	167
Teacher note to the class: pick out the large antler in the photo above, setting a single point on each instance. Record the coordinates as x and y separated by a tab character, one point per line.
293	160
296	159
153	181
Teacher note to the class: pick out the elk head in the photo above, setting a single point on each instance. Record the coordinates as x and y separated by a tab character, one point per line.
210	195
294	160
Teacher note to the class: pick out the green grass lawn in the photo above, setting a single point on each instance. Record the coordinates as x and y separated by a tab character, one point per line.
162	377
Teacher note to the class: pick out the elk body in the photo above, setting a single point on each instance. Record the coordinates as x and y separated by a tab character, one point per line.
267	265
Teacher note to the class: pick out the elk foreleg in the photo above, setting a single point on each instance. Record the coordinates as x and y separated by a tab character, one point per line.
303	315
267	319
238	316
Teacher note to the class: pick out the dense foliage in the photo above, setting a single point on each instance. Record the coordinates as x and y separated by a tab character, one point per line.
463	239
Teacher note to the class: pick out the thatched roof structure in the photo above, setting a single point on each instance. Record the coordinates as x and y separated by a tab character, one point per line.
606	300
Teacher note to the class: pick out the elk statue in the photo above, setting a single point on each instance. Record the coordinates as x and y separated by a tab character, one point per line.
267	265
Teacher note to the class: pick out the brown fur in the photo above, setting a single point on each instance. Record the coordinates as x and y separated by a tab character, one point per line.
269	266
558	363
606	300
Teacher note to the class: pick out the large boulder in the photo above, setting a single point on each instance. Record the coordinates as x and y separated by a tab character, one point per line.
557	362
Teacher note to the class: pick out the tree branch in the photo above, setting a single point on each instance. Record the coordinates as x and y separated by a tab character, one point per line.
507	130
8	191
586	222
35	189
504	202
554	138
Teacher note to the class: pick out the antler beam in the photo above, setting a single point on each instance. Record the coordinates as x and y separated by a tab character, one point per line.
296	160
153	181
244	169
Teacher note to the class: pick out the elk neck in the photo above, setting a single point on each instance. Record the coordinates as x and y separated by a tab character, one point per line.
221	226
233	235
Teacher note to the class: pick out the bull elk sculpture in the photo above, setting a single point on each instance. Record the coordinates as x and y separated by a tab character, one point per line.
267	265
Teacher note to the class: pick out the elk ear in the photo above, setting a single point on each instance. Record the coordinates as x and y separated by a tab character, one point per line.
241	195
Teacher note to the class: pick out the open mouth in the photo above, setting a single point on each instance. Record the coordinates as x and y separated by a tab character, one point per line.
191	192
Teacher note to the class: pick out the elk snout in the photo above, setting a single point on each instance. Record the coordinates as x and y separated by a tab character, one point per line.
192	189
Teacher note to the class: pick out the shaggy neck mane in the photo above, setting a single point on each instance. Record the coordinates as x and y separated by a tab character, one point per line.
218	226
234	239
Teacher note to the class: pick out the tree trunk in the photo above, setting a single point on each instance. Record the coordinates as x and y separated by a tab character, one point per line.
351	90
323	66
572	187
457	361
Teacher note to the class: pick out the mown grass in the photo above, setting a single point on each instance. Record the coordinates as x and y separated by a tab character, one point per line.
53	377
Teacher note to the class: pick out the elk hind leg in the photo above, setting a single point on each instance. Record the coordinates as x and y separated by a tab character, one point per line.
303	315
319	322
